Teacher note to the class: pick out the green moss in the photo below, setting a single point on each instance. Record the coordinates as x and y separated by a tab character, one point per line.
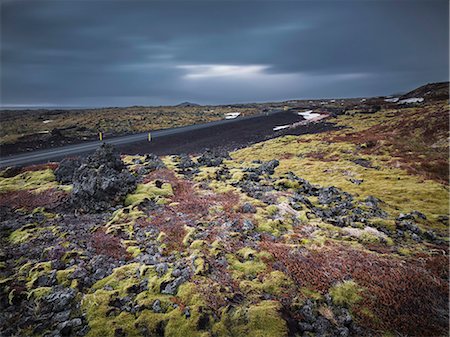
346	293
287	184
39	292
247	268
134	250
156	282
151	322
247	253
272	210
24	269
265	223
178	325
161	237
121	279
36	271
216	248
404	251
71	254
386	223
171	322
189	295
311	294
41	210
62	276
188	237
11	296
197	244
147	298
149	191
274	227
201	266
129	159
126	214
123	220
29	232
236	175
264	320
274	283
223	187
301	215
22	235
232	322
101	322
29	180
401	191
206	173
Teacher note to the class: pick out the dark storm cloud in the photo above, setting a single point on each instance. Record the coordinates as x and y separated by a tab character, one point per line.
138	52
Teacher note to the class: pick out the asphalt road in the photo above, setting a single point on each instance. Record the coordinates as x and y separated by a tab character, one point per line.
84	148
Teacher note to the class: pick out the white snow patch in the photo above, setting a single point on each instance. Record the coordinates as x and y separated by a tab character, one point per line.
232	115
411	100
308	114
47	121
281	127
392	100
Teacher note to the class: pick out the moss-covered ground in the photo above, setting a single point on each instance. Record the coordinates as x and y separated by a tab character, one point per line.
348	234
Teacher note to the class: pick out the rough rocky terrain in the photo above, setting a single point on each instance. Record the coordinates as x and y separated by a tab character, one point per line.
340	233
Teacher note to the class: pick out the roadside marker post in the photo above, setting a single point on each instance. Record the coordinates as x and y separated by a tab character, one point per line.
100	136
149	137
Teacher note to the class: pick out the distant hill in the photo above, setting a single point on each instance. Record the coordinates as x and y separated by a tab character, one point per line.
430	91
187	104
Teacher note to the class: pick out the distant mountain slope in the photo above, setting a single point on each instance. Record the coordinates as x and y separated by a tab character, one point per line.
188	104
430	91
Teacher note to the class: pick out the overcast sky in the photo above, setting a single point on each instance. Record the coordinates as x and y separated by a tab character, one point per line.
114	53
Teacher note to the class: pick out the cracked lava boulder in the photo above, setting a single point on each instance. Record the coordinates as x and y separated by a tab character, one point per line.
102	182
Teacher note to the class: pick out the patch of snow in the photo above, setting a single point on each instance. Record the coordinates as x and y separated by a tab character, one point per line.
308	114
232	115
47	121
392	100
333	101
363	99
281	127
411	100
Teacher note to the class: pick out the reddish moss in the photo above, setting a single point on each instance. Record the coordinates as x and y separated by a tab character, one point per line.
409	296
40	167
109	245
50	198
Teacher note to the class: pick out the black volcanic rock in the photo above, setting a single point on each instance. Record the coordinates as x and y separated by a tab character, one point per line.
66	169
213	157
102	182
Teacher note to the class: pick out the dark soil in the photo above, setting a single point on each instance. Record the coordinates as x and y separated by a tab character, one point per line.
227	137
